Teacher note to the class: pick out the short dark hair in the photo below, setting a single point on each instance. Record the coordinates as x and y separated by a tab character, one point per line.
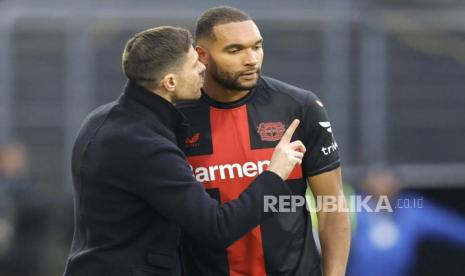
217	16
150	53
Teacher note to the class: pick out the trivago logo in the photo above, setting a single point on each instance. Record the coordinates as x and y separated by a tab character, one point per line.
230	171
330	149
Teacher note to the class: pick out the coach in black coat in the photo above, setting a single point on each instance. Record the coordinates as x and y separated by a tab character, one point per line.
135	194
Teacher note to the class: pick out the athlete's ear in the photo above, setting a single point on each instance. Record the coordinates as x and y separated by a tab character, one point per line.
203	55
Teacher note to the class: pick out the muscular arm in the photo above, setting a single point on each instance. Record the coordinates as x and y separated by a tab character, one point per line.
333	227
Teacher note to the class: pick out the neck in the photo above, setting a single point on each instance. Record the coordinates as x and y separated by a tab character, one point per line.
219	93
165	95
160	92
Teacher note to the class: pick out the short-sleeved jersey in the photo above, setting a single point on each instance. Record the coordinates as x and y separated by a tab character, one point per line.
228	146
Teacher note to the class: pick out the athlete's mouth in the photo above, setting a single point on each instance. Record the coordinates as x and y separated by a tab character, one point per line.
249	73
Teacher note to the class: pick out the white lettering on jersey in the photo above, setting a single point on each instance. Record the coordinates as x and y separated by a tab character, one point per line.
229	171
330	149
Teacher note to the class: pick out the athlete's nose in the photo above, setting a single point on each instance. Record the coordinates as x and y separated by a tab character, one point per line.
251	58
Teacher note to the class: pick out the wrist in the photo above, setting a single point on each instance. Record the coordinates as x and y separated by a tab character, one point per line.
276	172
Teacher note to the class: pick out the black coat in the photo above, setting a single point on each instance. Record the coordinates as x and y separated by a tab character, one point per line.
135	194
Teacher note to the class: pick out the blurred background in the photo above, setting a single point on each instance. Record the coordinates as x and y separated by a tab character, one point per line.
391	74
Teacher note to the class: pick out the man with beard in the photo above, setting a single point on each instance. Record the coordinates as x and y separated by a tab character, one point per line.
239	119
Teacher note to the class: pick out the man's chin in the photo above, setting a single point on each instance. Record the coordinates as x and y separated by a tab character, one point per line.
247	85
248	82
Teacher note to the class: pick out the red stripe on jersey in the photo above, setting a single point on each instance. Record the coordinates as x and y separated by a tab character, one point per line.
231	168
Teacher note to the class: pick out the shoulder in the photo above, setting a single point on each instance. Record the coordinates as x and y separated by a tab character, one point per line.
277	87
284	94
99	114
94	122
122	126
126	141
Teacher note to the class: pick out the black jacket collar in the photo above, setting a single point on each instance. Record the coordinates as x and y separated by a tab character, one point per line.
162	108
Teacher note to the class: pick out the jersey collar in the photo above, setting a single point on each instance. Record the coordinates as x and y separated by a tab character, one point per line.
234	104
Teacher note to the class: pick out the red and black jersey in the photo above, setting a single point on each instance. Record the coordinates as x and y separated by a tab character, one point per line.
228	146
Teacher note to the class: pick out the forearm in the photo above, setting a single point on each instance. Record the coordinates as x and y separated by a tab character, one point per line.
334	233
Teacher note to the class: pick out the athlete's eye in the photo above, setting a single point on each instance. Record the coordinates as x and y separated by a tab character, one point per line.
258	47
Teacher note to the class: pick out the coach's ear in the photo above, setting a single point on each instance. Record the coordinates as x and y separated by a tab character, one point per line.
203	56
168	82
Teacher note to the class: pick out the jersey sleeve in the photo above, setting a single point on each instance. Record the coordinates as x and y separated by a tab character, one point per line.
322	150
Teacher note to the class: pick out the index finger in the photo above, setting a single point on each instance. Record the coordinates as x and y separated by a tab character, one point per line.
290	131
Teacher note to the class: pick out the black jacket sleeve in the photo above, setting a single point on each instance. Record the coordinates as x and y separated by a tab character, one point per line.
164	179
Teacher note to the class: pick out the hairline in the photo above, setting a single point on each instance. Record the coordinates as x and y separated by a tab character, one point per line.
212	37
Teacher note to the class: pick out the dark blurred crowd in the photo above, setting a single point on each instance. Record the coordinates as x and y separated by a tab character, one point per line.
22	219
387	243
